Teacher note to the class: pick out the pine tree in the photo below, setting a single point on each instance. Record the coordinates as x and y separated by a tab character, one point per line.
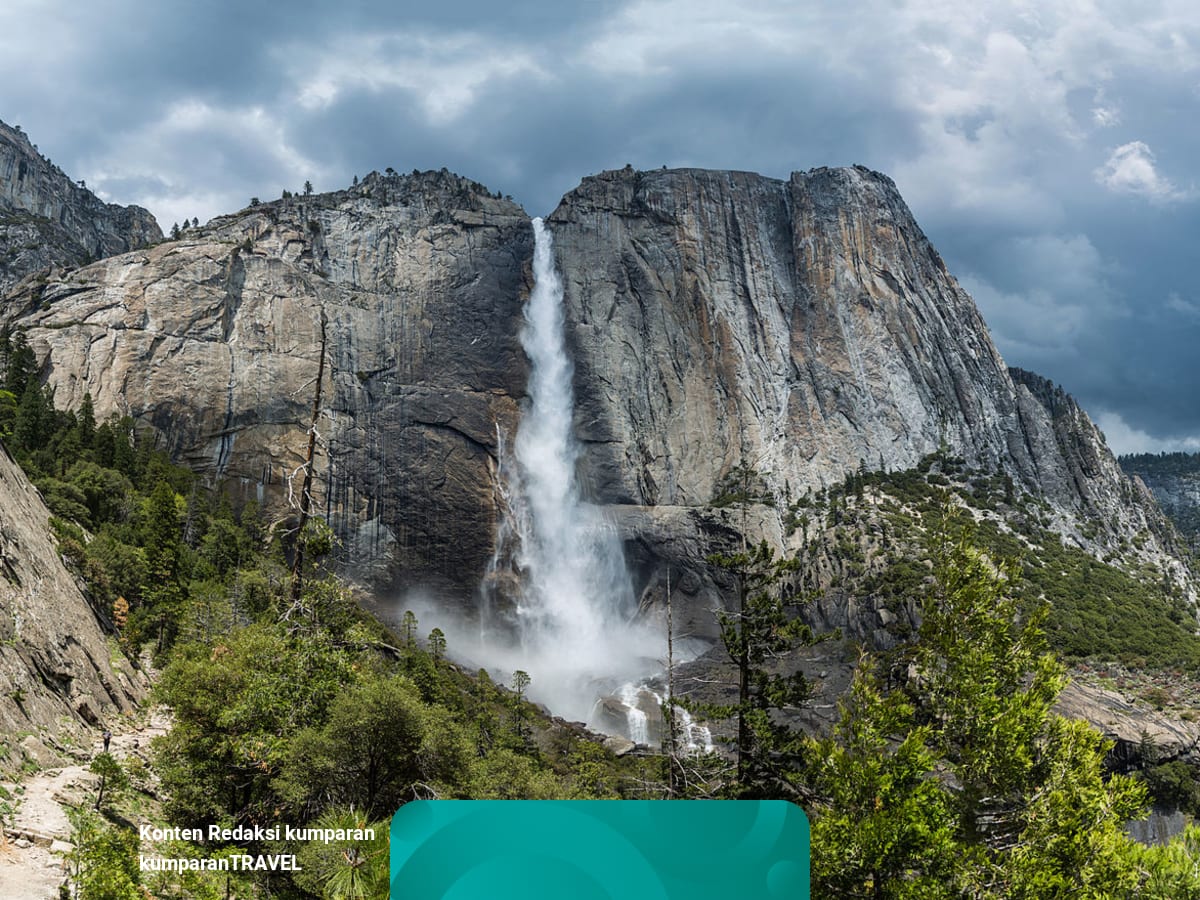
758	631
884	827
112	777
1073	843
986	682
437	643
346	869
104	446
520	681
124	457
20	364
30	427
408	630
962	782
163	590
86	422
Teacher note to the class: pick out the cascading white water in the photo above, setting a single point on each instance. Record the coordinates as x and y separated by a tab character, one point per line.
637	721
574	603
578	586
556	600
696	738
693	737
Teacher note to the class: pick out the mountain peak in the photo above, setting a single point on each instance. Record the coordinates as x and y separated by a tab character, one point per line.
47	219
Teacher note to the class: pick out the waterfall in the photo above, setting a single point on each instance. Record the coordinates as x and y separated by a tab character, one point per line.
692	737
696	738
558	576
557	600
578	585
637	722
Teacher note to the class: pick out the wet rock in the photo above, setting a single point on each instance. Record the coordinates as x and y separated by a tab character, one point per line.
610	716
619	746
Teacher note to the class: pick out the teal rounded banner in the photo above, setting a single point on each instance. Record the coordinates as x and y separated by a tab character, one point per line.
600	849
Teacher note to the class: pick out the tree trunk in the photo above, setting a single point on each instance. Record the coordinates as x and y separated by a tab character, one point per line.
306	489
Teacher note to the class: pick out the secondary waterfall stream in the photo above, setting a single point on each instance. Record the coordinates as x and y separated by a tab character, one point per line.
558	578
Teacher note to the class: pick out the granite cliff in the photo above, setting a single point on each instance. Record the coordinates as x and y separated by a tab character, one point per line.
48	220
806	327
214	341
1174	479
809	328
58	668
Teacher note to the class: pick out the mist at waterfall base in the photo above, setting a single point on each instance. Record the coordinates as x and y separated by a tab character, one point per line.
557	601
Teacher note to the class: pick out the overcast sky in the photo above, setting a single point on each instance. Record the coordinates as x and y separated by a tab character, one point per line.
1049	149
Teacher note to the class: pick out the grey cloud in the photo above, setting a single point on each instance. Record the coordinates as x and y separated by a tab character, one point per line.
1005	133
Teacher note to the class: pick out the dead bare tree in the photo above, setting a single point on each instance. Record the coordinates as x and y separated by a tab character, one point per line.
306	487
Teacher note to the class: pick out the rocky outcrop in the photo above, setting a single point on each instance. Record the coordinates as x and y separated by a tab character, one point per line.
214	342
58	669
806	327
1174	480
48	220
1133	728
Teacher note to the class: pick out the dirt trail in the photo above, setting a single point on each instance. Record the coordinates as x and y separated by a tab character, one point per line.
32	847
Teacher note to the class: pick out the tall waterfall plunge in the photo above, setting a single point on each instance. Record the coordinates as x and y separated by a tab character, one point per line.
574	603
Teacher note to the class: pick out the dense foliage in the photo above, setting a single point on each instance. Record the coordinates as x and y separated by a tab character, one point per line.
288	707
871	532
1174	463
959	781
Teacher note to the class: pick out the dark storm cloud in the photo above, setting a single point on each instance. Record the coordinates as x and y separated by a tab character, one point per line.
536	132
1048	151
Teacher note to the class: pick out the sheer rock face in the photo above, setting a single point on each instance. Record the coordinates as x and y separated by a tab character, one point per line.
806	327
1177	492
1178	495
214	340
58	668
47	220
